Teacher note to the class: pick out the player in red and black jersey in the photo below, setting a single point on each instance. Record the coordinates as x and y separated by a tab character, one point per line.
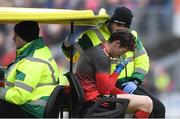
93	71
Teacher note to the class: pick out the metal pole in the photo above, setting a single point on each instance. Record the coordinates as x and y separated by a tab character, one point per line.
71	50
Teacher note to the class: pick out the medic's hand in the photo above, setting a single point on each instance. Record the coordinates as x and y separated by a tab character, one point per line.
73	37
121	66
129	87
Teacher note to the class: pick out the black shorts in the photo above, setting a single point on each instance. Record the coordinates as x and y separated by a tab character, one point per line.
105	105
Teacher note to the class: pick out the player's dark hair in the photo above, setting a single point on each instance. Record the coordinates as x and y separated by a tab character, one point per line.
125	37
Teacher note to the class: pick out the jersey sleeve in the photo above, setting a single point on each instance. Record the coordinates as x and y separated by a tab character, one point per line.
105	81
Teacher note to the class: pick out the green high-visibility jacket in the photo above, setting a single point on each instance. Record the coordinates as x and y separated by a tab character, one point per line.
31	78
137	68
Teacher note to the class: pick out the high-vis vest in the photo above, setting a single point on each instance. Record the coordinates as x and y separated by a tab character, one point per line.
31	78
139	60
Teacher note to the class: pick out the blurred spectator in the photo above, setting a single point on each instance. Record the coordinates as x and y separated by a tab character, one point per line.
7	58
176	18
93	5
5	3
55	32
143	16
162	80
3	32
7	51
23	3
110	5
80	5
153	11
2	48
62	4
159	81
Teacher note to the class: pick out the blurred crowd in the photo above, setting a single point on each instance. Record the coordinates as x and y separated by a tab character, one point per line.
148	15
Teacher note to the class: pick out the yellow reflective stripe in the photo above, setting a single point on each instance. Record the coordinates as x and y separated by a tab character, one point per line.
130	59
9	83
10	69
50	59
99	34
139	53
24	86
44	84
49	65
38	102
140	70
2	93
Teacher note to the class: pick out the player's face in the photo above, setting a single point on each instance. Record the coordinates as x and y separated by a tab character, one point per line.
117	50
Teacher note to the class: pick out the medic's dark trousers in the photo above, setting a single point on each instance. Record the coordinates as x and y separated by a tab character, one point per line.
11	110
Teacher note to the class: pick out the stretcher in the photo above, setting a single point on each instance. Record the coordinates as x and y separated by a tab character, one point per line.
52	16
